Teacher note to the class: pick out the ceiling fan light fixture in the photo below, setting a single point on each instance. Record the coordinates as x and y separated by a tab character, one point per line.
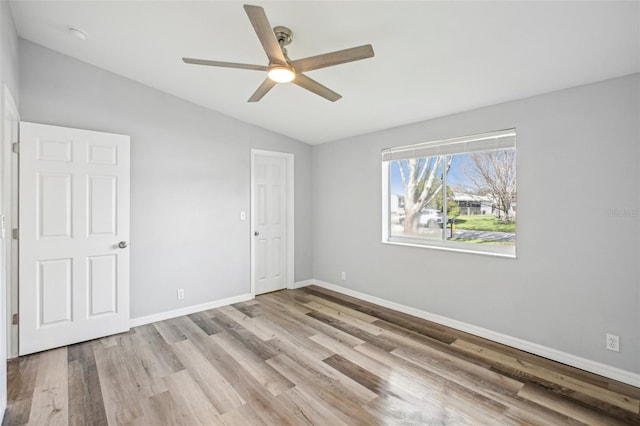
281	74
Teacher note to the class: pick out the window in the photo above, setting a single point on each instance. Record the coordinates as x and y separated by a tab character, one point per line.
455	194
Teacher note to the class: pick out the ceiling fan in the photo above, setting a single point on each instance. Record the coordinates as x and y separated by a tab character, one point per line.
281	69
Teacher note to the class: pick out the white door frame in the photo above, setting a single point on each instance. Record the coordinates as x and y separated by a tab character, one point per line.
9	209
290	257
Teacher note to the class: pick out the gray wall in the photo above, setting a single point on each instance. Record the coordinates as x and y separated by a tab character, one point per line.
577	274
190	178
8	76
8	50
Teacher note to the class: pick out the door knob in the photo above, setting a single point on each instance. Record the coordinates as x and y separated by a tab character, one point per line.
256	233
122	244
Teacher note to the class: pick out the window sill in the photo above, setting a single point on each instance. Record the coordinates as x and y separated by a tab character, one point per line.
508	252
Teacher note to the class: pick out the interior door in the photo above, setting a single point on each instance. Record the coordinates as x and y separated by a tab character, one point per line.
74	229
269	209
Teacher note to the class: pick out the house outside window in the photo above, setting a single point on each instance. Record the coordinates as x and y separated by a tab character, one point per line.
456	194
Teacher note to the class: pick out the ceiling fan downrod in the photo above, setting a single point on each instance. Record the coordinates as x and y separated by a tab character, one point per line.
284	35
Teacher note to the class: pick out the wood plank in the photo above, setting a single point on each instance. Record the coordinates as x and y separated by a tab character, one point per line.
244	415
454	399
264	374
400	334
190	399
344	317
563	406
86	404
401	384
475	392
394	411
50	395
325	392
284	321
409	322
263	349
21	380
257	328
309	409
284	338
436	357
353	330
614	398
300	314
283	303
308	371
214	385
315	300
155	350
110	341
118	385
205	323
249	309
170	332
161	409
366	378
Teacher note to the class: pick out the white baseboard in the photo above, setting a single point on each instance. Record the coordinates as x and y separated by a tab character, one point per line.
534	348
301	284
135	322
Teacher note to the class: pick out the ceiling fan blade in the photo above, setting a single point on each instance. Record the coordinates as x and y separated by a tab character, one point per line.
315	87
265	33
266	85
224	64
333	58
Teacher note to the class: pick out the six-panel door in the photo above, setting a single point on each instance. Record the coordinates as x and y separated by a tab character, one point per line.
270	227
74	211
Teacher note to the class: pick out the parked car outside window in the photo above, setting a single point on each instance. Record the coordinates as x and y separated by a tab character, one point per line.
431	218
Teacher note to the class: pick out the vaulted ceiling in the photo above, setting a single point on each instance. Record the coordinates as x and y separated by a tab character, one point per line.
432	58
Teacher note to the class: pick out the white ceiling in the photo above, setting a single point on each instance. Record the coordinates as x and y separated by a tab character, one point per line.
431	58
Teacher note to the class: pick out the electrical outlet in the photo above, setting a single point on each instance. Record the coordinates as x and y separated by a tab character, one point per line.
344	276
180	294
613	342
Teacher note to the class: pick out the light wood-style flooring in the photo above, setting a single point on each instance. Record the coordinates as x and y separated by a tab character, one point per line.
300	357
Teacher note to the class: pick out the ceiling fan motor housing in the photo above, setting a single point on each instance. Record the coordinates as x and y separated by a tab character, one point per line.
284	35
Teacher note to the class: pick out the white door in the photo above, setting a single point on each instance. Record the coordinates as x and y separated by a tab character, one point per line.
74	230
270	204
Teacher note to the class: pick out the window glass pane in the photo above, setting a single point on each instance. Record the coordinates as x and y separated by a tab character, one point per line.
415	197
482	186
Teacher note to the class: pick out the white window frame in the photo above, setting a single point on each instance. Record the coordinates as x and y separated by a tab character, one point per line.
503	139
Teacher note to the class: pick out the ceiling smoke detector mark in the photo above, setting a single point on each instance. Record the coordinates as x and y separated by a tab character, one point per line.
78	33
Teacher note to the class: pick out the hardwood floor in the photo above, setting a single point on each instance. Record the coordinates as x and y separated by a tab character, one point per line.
307	356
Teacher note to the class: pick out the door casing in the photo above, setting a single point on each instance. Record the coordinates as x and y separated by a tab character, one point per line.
9	202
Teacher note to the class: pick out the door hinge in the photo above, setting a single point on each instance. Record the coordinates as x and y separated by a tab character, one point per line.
15	147
15	318
15	234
